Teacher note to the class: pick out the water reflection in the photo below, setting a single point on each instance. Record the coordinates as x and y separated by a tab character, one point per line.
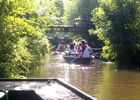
102	81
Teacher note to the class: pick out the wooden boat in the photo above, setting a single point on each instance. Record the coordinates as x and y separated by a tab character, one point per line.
78	60
40	89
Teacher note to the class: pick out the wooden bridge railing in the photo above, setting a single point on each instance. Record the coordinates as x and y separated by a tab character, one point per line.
64	28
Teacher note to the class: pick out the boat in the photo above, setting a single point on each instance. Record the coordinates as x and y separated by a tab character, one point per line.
78	60
40	89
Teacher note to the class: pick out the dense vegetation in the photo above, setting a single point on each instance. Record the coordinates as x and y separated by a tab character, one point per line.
78	8
51	9
22	42
118	25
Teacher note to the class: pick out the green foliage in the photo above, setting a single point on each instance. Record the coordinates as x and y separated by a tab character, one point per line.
51	9
117	23
78	8
23	43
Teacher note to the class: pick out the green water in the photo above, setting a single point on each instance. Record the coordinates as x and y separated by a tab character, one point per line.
99	80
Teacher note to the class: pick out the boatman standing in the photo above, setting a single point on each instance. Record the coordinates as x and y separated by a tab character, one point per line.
86	50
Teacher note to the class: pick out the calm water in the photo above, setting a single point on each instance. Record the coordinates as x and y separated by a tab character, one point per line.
99	80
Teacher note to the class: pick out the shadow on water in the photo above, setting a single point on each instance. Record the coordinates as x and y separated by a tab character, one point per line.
100	80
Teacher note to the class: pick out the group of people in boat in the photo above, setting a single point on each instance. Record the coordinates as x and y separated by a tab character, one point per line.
61	47
80	50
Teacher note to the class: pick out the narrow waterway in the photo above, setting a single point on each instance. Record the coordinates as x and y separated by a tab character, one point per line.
100	80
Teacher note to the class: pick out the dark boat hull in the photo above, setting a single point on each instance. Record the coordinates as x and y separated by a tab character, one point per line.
78	60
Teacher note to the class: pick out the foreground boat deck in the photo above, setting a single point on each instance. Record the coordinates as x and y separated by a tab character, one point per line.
46	89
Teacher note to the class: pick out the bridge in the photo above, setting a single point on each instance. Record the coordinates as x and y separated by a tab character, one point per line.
80	25
55	39
67	28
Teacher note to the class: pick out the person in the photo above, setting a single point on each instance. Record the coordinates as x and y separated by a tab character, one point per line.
72	50
79	48
86	50
60	47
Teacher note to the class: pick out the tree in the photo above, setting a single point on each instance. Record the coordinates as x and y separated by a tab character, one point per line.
23	43
114	20
51	9
78	8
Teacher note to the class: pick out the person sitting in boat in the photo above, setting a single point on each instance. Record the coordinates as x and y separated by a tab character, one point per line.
85	50
72	51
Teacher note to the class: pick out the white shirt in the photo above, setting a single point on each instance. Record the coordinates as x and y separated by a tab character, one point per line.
86	52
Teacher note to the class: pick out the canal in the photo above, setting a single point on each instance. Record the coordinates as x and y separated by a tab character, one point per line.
99	80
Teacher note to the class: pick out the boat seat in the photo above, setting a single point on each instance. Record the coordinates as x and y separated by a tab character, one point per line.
23	95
